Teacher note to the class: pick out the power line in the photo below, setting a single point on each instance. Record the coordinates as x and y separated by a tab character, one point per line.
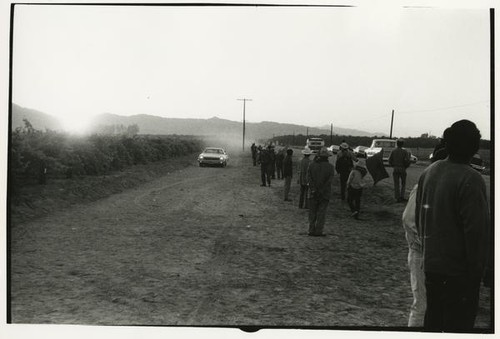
443	108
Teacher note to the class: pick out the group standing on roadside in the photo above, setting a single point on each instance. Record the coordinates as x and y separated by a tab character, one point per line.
446	219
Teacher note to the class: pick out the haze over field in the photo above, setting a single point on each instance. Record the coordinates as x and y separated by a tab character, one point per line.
305	66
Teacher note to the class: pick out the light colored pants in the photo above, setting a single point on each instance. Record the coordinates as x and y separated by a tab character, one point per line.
417	280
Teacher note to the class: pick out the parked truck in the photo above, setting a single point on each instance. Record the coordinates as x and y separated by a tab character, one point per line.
315	144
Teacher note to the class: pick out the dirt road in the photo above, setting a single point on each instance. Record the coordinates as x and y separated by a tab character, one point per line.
209	246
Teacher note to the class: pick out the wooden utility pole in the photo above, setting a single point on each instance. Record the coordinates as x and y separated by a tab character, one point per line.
331	134
244	101
392	121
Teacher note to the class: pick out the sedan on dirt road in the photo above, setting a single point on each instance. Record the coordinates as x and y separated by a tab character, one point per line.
213	156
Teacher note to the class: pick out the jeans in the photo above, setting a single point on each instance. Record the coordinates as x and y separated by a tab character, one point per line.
399	174
264	175
288	182
279	170
354	198
317	213
452	303
417	280
343	184
303	200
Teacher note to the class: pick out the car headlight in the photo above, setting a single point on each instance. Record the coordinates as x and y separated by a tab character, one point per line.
221	157
200	157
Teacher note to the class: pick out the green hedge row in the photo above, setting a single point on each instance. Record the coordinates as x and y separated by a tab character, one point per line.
37	155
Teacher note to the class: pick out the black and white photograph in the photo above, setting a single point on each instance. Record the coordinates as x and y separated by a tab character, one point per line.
249	168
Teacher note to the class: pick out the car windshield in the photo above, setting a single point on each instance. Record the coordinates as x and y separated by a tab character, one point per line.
385	144
214	150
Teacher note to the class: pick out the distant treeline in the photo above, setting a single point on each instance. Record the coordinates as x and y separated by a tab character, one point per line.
353	141
37	155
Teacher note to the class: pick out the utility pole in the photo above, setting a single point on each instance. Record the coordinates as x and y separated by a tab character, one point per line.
331	134
244	101
307	132
392	121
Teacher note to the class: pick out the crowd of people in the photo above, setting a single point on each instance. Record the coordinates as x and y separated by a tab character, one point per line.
315	176
446	218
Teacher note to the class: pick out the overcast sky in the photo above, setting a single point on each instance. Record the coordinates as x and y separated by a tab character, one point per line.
311	66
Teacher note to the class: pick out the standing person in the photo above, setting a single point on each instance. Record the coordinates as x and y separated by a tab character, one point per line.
415	263
343	166
400	161
452	218
264	161
280	156
304	164
319	176
355	186
272	164
287	172
254	153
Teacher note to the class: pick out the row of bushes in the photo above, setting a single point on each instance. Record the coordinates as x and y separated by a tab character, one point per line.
36	155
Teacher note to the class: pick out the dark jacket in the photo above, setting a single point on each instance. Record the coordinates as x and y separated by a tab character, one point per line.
320	176
452	217
264	158
399	158
304	165
287	166
344	162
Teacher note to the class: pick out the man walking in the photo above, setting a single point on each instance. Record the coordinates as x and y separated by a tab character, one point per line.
304	165
320	176
400	161
287	172
452	218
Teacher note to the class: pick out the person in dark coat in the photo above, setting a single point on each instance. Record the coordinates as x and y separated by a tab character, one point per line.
272	165
320	176
264	161
453	222
253	148
288	172
280	156
399	159
304	165
343	166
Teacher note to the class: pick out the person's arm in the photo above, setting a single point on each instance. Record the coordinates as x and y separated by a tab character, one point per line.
351	177
474	213
409	223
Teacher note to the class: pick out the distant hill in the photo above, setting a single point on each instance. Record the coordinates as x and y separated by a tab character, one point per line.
149	124
38	120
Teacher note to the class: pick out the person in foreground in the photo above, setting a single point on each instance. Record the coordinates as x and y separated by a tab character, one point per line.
452	219
319	176
415	262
